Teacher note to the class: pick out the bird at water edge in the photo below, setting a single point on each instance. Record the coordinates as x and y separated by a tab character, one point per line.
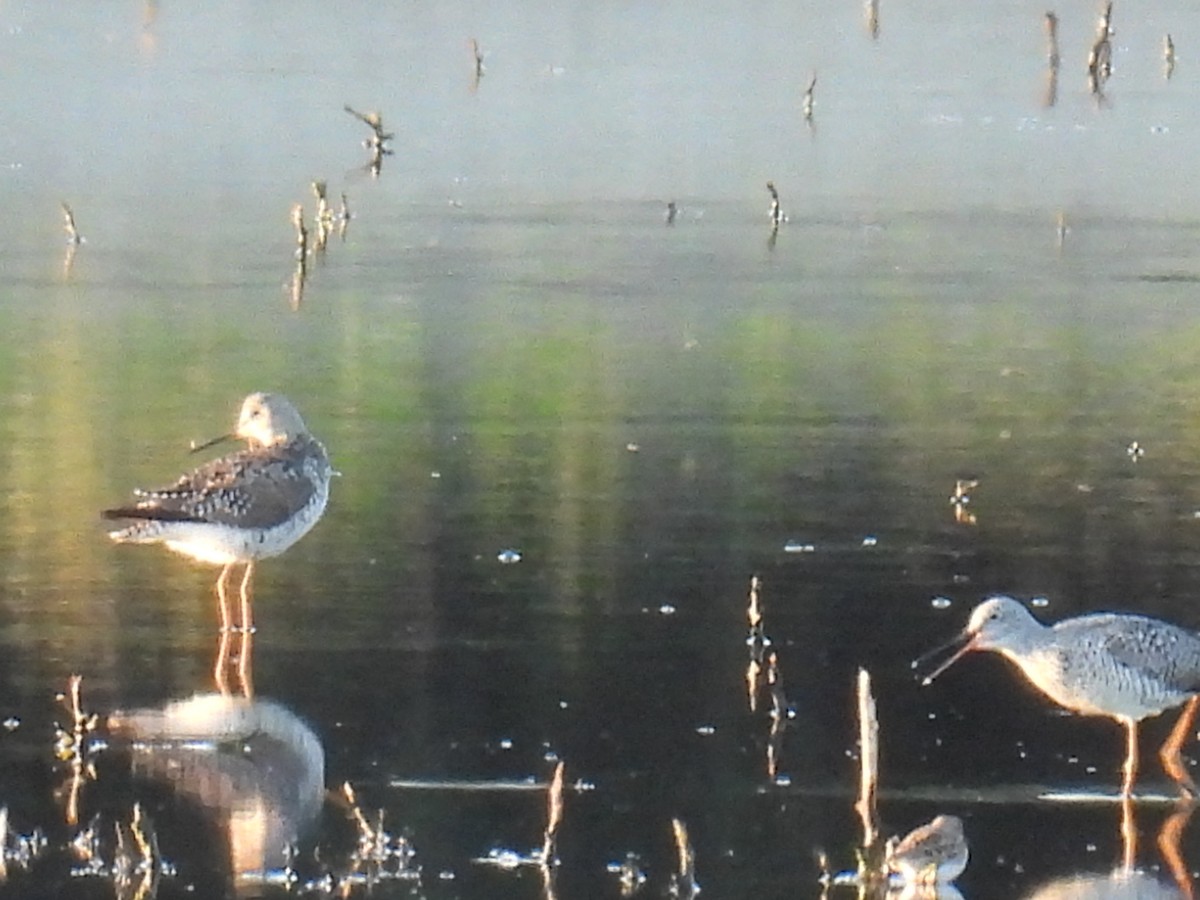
1125	667
935	853
240	508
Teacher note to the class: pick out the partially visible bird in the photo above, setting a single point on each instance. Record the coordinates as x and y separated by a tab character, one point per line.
934	853
1126	667
240	508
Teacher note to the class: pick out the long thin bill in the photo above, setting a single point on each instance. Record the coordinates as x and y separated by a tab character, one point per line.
959	654
967	642
196	448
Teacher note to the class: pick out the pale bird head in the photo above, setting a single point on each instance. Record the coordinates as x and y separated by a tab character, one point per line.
995	624
269	419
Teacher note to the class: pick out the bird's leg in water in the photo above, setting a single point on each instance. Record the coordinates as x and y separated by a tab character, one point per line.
222	598
1170	752
1131	757
247	615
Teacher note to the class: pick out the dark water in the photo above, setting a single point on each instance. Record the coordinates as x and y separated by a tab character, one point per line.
510	351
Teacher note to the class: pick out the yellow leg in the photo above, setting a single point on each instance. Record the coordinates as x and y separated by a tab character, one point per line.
1170	752
222	663
247	615
1131	757
245	666
222	598
1128	836
1168	845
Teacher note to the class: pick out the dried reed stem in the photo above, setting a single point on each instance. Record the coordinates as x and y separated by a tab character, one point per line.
754	607
366	832
685	879
868	737
554	814
753	677
755	641
871	16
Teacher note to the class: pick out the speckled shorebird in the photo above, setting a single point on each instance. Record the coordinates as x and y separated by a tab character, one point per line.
1122	666
244	507
935	853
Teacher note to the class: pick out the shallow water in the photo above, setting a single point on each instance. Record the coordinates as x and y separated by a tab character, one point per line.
510	351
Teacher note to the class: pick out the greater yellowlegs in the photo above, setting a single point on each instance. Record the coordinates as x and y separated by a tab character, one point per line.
243	507
935	853
1125	667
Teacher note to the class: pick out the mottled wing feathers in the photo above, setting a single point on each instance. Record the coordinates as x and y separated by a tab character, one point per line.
1164	652
251	489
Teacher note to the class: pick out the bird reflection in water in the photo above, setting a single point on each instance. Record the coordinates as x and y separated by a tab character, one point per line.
1117	886
923	892
1127	882
244	782
254	769
240	664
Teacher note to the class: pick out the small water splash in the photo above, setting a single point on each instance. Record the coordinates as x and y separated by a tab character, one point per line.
798	547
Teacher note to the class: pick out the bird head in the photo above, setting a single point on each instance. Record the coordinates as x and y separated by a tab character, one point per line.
268	419
995	624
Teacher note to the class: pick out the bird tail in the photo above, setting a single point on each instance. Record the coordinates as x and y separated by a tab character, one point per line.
151	513
147	527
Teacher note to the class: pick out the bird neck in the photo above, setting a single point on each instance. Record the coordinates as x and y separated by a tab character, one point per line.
1020	643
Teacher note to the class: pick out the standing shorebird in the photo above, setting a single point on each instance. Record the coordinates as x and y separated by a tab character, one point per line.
240	508
1122	666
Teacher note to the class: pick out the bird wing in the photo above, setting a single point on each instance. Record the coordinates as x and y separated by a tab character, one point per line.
250	489
1157	649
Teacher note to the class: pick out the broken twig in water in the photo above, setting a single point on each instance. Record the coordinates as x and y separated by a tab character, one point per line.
1099	66
1052	56
683	882
377	143
871	18
754	609
757	641
73	235
1052	60
779	716
477	53
70	745
776	212
301	232
554	813
868	739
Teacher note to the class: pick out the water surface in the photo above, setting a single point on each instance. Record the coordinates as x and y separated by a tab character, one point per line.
510	351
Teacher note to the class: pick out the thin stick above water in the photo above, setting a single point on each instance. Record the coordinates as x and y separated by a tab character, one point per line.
684	881
554	814
868	738
754	607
